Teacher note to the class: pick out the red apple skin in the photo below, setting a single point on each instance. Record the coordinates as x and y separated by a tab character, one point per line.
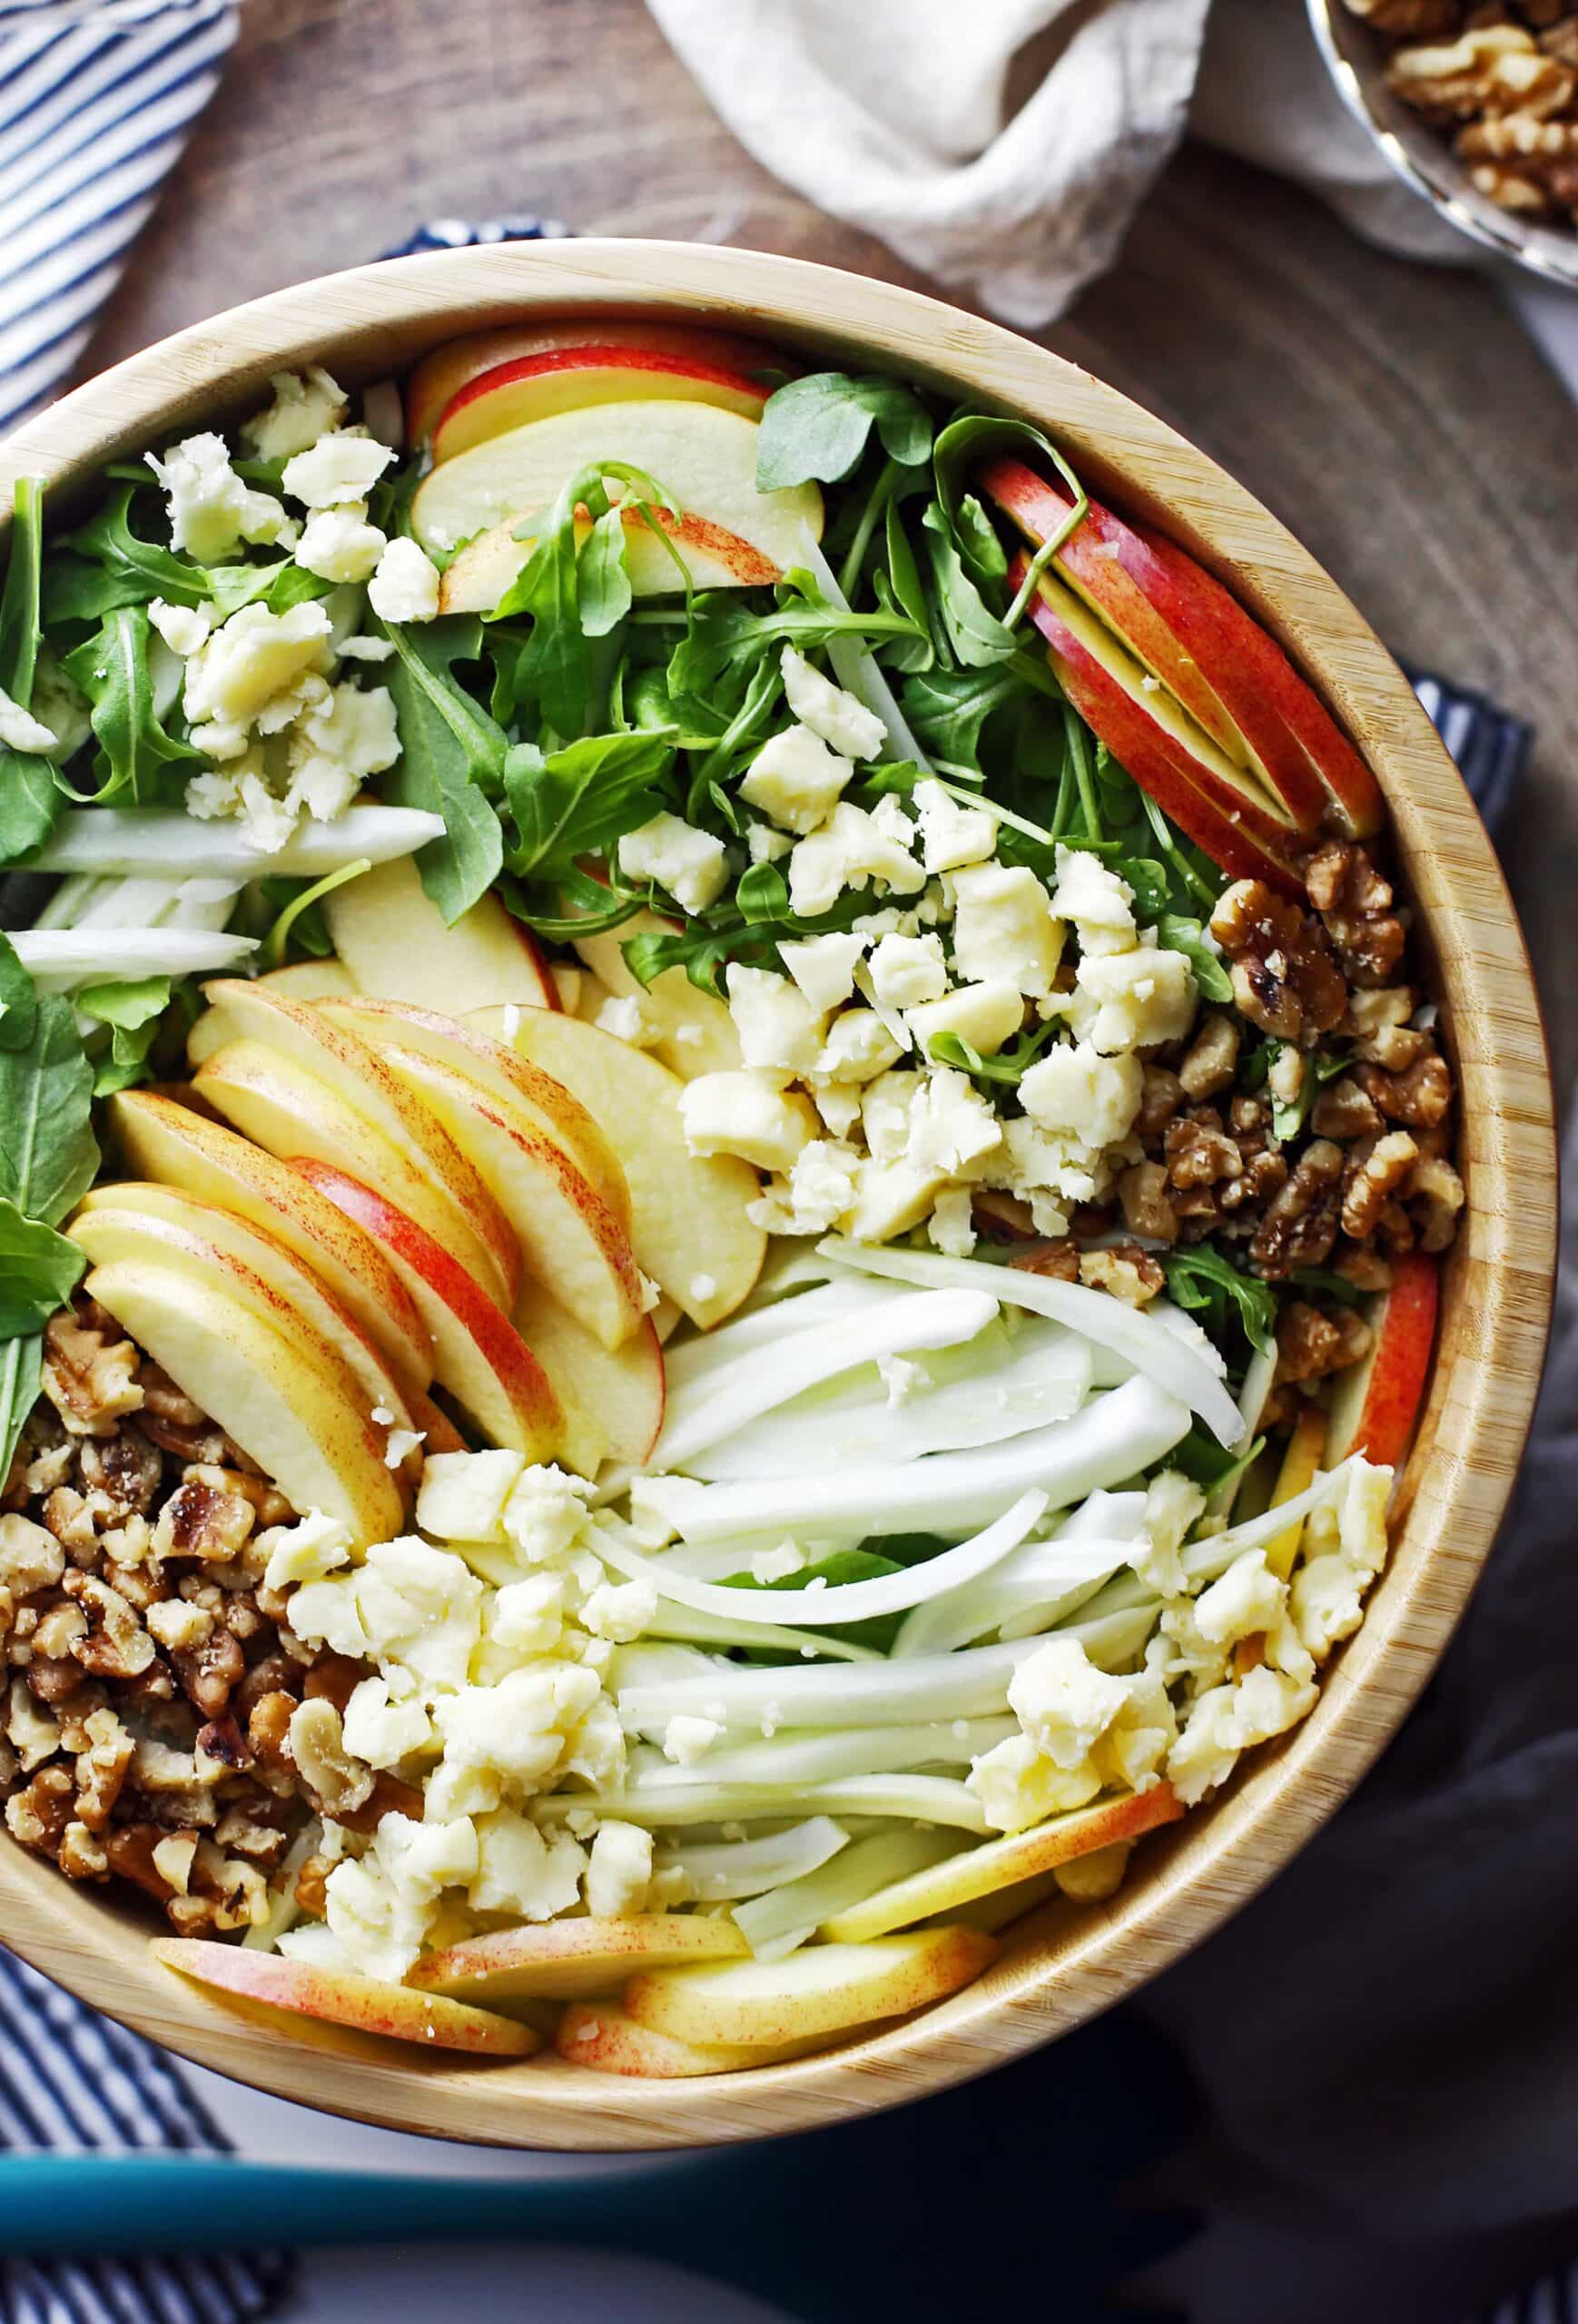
534	385
1250	846
439	376
503	1350
1376	1406
335	1997
1227	671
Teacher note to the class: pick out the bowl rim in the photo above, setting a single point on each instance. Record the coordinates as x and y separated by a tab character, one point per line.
1426	165
1062	1964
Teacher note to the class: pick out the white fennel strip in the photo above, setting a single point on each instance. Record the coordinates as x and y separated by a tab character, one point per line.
777	1924
1044	1578
856	669
717	1872
806	1756
1116	1436
689	1624
925	1799
1204	1560
729	1400
61	958
1018	1382
1189	1370
688	1361
168	841
850	1601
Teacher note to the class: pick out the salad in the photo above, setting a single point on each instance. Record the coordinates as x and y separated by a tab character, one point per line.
723	1173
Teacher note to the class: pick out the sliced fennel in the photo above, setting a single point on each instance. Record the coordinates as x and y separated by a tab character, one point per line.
1191	1373
808	1756
925	1799
850	1602
688	1622
1213	1553
729	1399
971	1684
1115	1437
685	1361
168	840
717	1873
1030	1589
59	959
1001	1384
774	1925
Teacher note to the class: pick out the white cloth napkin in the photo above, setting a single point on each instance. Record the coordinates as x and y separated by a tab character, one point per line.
909	118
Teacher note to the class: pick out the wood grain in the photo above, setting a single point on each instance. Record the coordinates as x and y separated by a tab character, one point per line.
1396	417
1063	1964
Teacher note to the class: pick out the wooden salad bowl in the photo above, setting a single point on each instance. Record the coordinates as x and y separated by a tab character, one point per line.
1064	1963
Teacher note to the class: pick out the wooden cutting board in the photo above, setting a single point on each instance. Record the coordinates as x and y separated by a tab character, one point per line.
1395	416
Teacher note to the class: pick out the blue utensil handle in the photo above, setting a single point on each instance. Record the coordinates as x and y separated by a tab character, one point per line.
76	2204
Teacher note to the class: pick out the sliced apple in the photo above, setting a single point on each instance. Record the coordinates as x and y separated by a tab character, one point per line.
705	459
822	1989
170	1229
481	1359
442	375
280	1103
1376	1403
691	1230
1300	1465
570	1959
599	2035
310	979
698	1033
178	1147
438	1432
572	378
611	1398
1223	809
714	559
573	1243
304	1424
1227	672
397	945
339	1997
509	1078
999	1864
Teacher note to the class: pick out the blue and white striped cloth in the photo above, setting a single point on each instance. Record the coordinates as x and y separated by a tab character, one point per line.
70	2079
96	99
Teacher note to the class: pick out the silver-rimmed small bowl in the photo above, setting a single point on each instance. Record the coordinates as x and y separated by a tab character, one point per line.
1422	157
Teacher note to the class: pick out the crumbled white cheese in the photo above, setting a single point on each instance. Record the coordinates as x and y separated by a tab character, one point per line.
779	1030
984	1015
1075	1090
211	510
952	1126
1228	1719
1018	1785
251	660
851	848
1063	1702
952	1225
381	1730
765	845
544	1514
342	466
630	1017
1097	904
690	864
952	835
795	779
406	585
823	967
20	731
906	971
340	545
620	1611
620	1871
306	405
1144	997
463	1495
183	628
688	1738
858	1048
839	717
747	1114
1004	928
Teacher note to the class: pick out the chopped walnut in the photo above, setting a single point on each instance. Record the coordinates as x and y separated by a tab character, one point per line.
1314	1342
1059	1260
204	1518
30	1558
1300	1223
1212	1058
1373	1175
1198	1150
1420	1095
88	1376
1343	1111
337	1782
1283	974
1142	1192
1161	1096
1436	1195
312	1887
1340	877
1493	69
116	1645
1126	1271
1362	1265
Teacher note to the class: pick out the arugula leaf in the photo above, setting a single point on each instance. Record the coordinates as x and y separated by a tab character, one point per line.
18	1001
29	803
1289	1118
948	708
20	635
580	800
1007	1067
727	634
762	893
38	1271
110	565
1208	1284
112	669
1327	1279
555	665
819	427
134	1011
900	590
47	1153
879	1631
974	631
1174	933
312	940
963	443
586	906
21	1372
451	759
603	584
704	944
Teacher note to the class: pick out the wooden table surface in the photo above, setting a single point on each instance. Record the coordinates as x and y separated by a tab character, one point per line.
1395	416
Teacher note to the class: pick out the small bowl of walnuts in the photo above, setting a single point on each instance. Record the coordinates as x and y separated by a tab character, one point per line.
1475	107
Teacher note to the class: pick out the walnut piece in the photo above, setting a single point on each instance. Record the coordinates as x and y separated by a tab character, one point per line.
1283	977
1125	1270
1300	1223
1313	1342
